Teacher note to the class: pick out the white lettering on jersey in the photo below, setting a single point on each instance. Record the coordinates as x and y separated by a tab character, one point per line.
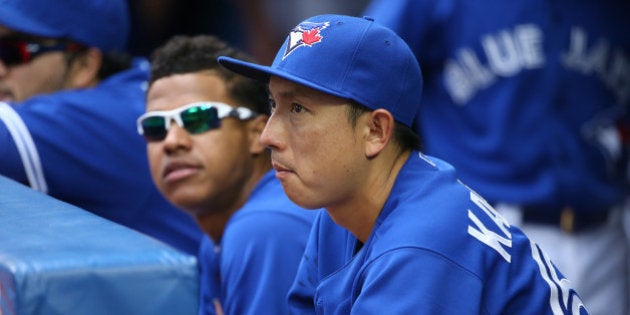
561	296
486	236
466	75
503	56
610	65
508	52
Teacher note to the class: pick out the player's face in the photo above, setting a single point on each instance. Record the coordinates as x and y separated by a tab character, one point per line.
317	154
199	172
45	73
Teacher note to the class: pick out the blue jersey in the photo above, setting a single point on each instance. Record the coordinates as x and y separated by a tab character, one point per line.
260	250
525	98
436	248
91	156
209	276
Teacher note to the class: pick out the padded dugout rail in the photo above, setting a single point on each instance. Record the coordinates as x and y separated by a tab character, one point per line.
59	259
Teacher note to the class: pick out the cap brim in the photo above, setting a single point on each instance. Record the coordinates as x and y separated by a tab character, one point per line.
263	73
248	69
16	21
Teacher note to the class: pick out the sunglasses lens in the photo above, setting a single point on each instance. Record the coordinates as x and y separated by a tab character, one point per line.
153	128
13	52
196	120
200	119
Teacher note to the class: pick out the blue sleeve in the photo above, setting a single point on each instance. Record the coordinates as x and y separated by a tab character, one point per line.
413	281
10	161
260	252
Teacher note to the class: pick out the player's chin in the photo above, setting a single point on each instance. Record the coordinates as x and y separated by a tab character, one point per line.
189	201
301	196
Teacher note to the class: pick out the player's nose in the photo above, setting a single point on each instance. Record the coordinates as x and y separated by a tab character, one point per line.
176	138
271	134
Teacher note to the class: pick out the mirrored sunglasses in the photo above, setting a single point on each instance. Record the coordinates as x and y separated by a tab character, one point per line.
15	50
194	118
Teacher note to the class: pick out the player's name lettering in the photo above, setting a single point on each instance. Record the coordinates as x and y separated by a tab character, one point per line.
610	65
508	52
562	299
478	230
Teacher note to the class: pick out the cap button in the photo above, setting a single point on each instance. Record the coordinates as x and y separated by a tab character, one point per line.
369	18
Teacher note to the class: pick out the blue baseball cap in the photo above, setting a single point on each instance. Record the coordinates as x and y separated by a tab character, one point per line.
103	24
349	57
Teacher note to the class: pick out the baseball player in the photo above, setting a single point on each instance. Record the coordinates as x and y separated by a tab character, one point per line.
69	129
400	234
202	127
529	101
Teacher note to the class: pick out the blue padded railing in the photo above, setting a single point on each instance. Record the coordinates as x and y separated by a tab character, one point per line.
59	259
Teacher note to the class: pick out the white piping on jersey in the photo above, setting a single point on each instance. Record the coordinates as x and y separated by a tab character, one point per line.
26	147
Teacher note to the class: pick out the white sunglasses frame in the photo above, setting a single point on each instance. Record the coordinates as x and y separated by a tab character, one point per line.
223	111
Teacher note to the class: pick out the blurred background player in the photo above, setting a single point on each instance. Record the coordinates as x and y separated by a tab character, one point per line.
69	127
529	101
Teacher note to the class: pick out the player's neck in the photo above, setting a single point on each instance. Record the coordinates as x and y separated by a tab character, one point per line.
359	212
213	222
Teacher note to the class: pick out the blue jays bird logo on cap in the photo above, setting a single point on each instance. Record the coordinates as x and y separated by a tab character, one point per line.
305	34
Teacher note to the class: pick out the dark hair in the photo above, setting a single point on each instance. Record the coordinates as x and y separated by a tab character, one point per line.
404	136
186	54
113	62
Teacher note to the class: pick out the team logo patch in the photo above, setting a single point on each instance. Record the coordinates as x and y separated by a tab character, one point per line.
305	34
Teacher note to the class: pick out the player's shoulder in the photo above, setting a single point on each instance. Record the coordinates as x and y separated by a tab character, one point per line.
125	90
446	217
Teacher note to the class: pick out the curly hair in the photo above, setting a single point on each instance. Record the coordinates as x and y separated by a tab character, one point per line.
187	54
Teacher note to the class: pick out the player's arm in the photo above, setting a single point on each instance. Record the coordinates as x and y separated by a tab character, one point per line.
19	157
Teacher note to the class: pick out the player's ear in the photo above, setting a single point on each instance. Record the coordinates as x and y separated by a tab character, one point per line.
254	128
380	124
